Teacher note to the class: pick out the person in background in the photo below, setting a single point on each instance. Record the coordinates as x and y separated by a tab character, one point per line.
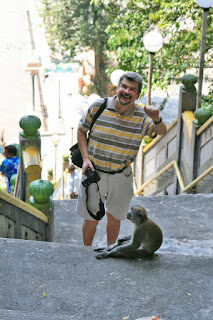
73	182
9	165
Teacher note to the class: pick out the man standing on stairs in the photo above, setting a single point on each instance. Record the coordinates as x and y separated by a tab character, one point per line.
112	147
72	182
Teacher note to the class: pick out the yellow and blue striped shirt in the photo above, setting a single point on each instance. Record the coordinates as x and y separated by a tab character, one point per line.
115	138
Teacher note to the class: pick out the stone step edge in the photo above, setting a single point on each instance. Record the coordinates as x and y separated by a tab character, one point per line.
26	315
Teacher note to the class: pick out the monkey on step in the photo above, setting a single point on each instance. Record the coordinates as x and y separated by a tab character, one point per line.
146	238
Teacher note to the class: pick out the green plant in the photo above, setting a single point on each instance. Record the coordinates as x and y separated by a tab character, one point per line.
66	157
207	100
72	26
50	172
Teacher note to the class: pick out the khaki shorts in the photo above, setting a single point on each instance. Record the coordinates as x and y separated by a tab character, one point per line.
116	193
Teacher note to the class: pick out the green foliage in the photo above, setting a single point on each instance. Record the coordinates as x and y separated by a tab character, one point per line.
50	172
179	22
119	27
74	25
65	157
207	100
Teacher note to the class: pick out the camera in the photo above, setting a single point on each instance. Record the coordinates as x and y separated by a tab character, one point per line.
92	177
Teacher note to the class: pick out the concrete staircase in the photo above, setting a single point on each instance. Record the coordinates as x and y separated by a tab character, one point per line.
63	280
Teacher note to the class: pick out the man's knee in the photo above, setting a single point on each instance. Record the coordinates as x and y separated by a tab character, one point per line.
90	223
112	220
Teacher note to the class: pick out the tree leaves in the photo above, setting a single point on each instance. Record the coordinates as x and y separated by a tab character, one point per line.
180	24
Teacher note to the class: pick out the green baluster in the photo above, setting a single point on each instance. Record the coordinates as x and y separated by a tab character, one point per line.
41	192
30	125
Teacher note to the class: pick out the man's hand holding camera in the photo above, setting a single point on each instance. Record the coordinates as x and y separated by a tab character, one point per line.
87	164
92	177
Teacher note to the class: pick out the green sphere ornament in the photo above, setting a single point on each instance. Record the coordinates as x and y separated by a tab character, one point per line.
41	192
30	125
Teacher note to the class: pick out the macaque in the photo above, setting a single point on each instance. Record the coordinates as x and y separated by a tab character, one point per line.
146	238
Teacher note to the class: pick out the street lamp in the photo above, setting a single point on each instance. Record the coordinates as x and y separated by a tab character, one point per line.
115	76
153	42
55	140
92	98
205	4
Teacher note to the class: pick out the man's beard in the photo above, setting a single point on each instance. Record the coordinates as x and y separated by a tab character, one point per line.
125	96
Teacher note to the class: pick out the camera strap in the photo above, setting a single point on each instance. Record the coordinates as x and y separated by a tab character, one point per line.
99	215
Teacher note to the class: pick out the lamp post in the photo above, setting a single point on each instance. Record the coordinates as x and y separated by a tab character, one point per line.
153	42
205	4
72	128
55	140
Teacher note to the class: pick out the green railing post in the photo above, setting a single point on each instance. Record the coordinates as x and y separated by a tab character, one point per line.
13	182
41	192
29	138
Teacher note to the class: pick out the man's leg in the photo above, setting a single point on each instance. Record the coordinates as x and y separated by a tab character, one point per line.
88	231
112	229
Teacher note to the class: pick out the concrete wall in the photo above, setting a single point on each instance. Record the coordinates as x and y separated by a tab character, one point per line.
204	156
189	145
21	221
155	156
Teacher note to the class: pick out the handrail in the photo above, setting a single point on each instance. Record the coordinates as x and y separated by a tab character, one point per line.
17	181
32	164
158	138
171	164
204	126
198	179
57	187
179	177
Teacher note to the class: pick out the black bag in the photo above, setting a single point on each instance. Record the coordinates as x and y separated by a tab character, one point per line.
76	156
75	152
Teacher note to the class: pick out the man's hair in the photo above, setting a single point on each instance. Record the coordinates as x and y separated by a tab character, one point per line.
132	76
11	149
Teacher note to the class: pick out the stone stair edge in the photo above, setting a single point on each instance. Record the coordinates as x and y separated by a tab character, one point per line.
26	315
39	243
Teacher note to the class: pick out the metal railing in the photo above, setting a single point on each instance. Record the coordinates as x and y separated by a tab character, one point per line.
173	165
199	179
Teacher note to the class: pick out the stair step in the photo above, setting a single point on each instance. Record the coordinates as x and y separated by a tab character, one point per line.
185	221
25	315
77	286
22	315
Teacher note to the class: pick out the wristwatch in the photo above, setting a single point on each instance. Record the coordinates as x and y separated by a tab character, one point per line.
157	122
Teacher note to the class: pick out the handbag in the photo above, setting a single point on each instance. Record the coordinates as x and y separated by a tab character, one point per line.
75	153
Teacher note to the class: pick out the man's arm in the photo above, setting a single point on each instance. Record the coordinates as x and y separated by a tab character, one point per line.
82	142
160	128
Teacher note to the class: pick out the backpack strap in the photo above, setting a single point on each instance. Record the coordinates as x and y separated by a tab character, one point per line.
99	215
99	112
